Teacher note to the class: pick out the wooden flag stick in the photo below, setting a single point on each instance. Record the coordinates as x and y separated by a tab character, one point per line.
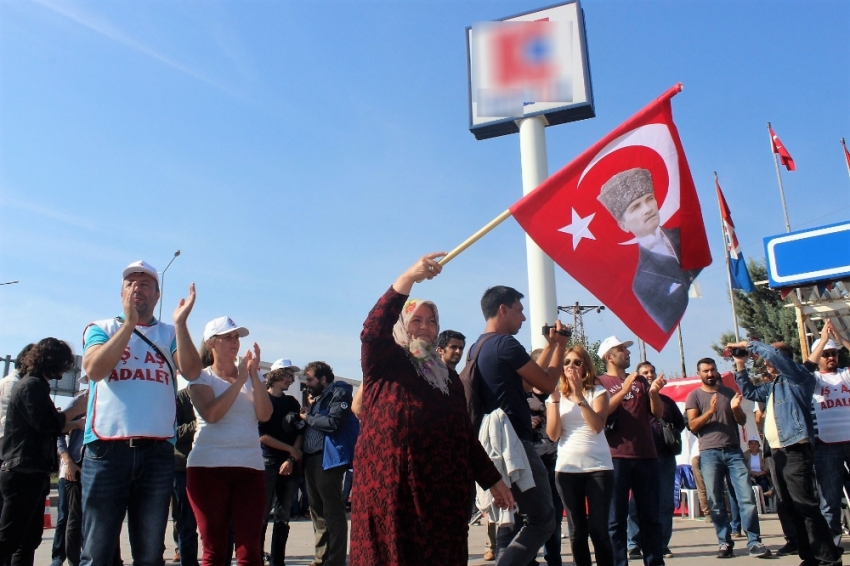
475	237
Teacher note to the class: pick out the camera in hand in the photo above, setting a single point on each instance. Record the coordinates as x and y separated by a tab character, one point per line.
735	352
565	330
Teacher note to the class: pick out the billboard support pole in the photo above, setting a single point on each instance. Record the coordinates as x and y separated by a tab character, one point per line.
542	301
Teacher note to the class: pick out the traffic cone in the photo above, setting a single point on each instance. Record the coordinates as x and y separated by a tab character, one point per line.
48	520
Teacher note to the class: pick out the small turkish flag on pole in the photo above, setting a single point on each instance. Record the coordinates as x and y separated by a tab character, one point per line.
624	220
846	154
780	150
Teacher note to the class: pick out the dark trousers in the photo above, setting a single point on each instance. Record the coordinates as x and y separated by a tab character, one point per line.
796	484
552	547
187	526
22	520
640	476
587	497
327	509
58	552
279	492
74	524
518	544
783	508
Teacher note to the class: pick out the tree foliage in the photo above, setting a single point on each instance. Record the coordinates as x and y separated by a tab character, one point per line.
763	315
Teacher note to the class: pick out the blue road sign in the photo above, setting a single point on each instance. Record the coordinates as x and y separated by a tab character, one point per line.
808	256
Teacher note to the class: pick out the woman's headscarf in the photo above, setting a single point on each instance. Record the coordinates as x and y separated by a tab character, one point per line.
429	365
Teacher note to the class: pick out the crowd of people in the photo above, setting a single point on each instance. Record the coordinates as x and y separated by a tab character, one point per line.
521	438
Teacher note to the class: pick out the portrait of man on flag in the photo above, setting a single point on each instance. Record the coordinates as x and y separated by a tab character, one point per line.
624	220
660	283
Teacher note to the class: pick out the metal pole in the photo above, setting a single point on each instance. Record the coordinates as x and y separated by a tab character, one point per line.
846	155
542	302
779	178
681	350
642	346
727	245
162	283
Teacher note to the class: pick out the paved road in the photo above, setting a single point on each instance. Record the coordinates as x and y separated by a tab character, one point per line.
693	544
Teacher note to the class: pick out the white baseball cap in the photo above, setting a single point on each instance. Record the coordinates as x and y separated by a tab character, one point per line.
284	363
140	267
830	345
223	325
611	342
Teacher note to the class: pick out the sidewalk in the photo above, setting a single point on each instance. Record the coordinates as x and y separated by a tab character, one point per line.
693	544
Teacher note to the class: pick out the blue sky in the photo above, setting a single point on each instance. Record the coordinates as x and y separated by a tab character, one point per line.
302	154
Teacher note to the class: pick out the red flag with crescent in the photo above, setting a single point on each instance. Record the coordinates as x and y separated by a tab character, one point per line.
624	220
779	149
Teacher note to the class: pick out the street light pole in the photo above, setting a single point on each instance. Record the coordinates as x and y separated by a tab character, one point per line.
162	282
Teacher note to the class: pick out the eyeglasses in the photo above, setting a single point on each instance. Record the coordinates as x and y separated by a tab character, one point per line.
830	354
577	363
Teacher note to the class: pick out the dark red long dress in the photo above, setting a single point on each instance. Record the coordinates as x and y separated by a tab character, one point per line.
415	460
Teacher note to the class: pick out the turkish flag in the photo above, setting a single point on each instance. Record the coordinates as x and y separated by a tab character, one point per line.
779	149
846	153
624	220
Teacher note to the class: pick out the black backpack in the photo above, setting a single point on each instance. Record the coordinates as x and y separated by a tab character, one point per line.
471	379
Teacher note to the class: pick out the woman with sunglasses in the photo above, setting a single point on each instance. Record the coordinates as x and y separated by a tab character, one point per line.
575	418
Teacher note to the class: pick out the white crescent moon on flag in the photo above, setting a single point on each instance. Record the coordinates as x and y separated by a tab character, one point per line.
657	138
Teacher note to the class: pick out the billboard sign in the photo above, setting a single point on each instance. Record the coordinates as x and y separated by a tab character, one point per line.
808	256
533	64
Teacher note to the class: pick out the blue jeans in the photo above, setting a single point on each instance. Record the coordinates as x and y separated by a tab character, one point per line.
734	510
58	553
829	468
187	526
715	464
640	476
519	543
666	507
121	479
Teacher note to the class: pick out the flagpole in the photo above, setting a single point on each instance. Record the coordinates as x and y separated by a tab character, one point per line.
846	155
779	178
726	244
681	350
475	237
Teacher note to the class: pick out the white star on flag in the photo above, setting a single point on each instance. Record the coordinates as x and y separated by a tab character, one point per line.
579	228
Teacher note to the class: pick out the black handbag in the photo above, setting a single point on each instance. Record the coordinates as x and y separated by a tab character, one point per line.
672	439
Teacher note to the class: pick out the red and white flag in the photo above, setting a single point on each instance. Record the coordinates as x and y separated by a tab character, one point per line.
779	149
846	153
624	220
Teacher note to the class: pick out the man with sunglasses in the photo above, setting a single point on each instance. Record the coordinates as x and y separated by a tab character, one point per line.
831	404
633	402
789	431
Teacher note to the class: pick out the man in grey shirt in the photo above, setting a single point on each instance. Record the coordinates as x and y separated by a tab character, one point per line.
714	413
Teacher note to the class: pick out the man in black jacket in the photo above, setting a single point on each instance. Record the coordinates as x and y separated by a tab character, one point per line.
666	470
187	526
325	462
29	448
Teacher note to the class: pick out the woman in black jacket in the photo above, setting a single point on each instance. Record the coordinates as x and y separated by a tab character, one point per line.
29	449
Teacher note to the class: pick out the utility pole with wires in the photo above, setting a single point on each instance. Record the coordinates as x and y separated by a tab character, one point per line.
578	311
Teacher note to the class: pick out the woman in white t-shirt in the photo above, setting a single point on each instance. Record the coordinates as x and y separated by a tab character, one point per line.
225	473
575	418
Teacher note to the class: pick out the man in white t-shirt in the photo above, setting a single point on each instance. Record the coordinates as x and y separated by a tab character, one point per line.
128	463
831	406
